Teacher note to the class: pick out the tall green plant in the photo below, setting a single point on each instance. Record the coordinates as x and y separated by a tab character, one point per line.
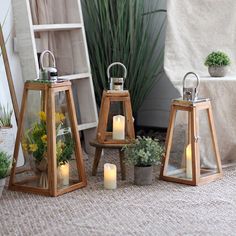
123	31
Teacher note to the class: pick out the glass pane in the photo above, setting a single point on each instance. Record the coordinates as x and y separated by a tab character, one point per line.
34	143
207	155
180	158
67	172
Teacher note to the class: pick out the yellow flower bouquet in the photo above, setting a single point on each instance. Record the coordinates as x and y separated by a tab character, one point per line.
35	140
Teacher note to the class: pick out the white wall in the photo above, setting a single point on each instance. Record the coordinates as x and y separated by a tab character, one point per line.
6	20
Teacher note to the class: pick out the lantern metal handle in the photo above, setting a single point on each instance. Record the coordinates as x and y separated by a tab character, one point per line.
116	63
42	56
191	73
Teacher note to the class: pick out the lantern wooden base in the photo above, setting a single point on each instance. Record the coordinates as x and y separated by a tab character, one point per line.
48	90
109	96
198	177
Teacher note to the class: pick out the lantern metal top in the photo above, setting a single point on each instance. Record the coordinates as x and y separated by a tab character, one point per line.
116	83
190	93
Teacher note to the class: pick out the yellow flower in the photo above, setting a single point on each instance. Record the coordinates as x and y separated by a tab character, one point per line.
33	147
42	115
25	146
59	117
44	138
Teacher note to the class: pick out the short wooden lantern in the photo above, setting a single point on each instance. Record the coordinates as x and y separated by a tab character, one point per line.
122	126
48	135
192	155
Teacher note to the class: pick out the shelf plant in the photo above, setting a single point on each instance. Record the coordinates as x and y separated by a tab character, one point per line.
143	153
125	31
217	63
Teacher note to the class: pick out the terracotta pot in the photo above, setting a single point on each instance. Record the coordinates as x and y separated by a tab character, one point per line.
143	175
217	71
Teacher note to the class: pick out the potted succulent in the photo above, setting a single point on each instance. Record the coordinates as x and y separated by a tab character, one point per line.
217	63
7	137
143	153
5	161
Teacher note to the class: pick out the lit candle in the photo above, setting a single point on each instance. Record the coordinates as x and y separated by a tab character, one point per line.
109	176
118	131
188	153
64	172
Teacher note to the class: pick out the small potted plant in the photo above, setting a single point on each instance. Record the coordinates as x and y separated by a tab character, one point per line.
217	63
143	153
7	137
5	161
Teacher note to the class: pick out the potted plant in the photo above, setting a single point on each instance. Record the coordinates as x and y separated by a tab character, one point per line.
5	161
217	63
143	153
7	137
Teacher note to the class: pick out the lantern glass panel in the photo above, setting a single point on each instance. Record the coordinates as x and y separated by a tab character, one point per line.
67	172
33	142
180	158
208	162
116	108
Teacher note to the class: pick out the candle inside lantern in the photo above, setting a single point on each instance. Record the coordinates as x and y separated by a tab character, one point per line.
109	176
64	173
188	153
118	131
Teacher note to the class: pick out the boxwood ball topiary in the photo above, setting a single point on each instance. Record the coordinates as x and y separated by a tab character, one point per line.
217	59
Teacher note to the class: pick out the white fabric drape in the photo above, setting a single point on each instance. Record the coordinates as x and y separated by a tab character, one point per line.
194	29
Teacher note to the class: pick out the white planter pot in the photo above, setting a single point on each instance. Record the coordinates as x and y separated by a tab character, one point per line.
7	140
2	184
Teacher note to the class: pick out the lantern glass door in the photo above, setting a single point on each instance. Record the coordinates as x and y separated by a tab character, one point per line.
66	162
33	143
179	163
208	161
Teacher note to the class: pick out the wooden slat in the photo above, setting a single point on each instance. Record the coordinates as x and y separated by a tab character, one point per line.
56	27
9	76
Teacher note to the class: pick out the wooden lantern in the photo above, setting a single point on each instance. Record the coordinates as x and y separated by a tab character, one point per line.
123	130
192	155
48	133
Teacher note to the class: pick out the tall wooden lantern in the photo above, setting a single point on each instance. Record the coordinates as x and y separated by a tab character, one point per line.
122	127
192	155
48	135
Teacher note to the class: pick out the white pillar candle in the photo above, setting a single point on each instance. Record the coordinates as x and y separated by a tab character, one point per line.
188	155
64	173
109	176
118	132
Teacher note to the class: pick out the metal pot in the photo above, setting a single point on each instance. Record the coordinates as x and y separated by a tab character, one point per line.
143	175
217	71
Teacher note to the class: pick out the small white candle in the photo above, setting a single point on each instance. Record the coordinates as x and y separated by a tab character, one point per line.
188	155
64	173
118	132
109	176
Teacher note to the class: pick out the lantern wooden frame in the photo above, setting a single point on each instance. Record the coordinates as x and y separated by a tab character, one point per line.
192	108
49	90
109	96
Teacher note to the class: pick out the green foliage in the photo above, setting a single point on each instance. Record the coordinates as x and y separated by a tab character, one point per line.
5	116
143	151
124	31
35	140
217	59
4	164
